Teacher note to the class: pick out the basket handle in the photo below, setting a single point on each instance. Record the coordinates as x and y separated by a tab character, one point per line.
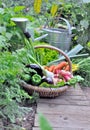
58	50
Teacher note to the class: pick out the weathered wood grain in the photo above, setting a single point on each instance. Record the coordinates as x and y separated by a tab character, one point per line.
63	128
86	91
63	109
69	111
66	101
67	120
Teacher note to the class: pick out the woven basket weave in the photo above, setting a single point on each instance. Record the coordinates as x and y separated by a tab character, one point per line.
47	92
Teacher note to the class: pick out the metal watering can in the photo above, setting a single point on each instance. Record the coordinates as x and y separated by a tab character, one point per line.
59	37
22	23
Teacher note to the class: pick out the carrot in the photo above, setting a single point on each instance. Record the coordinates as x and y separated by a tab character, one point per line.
67	68
61	65
51	68
46	67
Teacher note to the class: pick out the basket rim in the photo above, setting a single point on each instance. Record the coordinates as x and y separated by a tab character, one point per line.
24	84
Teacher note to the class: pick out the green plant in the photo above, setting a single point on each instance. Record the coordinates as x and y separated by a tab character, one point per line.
78	15
10	91
10	34
46	55
44	124
83	70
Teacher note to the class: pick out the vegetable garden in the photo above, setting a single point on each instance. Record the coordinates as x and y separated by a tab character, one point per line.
27	57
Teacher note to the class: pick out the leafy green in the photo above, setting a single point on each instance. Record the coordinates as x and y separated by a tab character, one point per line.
12	110
83	70
26	77
47	85
44	124
76	79
47	55
10	90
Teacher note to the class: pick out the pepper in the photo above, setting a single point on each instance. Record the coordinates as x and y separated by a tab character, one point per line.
36	79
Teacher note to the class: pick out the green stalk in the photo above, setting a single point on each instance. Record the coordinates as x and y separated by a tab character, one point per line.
32	57
45	72
83	61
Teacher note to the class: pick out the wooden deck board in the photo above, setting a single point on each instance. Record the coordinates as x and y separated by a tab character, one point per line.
63	128
64	109
65	101
69	111
67	120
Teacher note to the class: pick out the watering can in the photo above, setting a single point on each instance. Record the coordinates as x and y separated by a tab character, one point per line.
22	23
59	37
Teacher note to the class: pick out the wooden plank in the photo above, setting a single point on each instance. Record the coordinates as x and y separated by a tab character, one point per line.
69	111
66	101
86	91
73	91
72	96
62	128
63	109
67	120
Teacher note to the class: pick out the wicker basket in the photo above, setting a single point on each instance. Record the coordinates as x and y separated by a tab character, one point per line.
47	92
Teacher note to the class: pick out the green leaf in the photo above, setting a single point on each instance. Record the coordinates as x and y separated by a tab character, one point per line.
9	35
2	29
84	23
44	124
19	8
1	11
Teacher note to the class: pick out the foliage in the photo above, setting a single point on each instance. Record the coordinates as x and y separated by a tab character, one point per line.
11	3
77	12
46	55
44	124
10	91
84	70
13	58
10	34
6	30
12	111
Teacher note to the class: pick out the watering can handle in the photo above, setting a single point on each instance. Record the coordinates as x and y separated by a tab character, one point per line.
66	21
68	24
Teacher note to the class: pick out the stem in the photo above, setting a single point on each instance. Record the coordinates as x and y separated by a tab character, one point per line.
83	61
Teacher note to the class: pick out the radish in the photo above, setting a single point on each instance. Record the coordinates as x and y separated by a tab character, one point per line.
66	73
66	77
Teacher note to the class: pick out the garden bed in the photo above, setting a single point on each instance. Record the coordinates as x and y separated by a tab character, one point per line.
25	122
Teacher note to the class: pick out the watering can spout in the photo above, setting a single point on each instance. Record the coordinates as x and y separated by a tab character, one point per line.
22	23
41	37
28	35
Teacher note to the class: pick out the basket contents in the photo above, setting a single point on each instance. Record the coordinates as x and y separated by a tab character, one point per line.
48	81
34	75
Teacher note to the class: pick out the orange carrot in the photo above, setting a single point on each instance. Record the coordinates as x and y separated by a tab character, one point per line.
46	67
61	65
51	68
67	68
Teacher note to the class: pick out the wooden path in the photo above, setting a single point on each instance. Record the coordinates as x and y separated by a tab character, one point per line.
70	111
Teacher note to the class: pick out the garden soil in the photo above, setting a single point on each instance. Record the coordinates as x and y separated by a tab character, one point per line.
25	124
